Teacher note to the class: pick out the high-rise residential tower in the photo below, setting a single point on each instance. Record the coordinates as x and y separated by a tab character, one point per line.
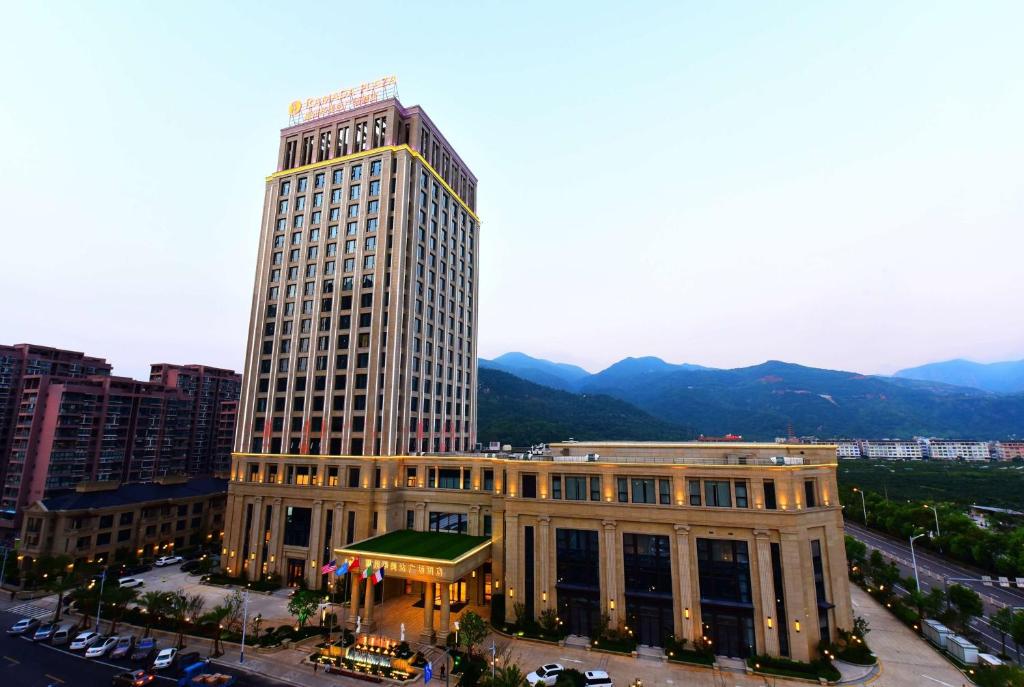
362	336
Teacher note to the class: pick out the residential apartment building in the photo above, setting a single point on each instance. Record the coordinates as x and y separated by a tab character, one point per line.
847	448
892	449
98	519
208	390
1008	450
951	449
358	417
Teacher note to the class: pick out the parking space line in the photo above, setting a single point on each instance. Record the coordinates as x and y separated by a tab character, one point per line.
13	661
53	677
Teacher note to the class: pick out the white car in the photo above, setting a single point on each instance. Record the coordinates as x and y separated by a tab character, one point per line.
167	560
128	582
597	678
545	675
84	640
101	647
165	658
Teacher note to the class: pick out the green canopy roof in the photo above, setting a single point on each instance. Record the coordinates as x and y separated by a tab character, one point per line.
438	546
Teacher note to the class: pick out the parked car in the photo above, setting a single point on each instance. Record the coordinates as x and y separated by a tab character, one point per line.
144	649
24	626
545	675
63	634
84	640
43	632
132	570
136	678
102	647
191	566
597	678
167	560
165	658
123	647
184	660
128	582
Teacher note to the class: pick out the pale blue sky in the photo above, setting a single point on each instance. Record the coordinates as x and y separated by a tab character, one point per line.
834	184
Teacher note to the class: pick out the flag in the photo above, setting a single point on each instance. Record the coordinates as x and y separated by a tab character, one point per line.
328	568
342	569
366	573
428	672
354	565
379	575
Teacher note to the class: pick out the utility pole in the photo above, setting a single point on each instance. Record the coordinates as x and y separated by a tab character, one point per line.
938	532
99	599
245	621
913	557
7	550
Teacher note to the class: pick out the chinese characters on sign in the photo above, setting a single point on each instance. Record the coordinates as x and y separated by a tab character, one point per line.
340	101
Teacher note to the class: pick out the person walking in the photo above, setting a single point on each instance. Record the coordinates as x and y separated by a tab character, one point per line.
316	665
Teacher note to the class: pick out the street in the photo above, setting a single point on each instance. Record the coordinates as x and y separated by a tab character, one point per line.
935	572
30	664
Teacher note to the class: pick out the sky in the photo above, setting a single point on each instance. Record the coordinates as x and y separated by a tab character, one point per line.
832	184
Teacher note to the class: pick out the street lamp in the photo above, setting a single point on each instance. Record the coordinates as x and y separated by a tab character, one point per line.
99	599
913	557
863	505
456	633
245	621
935	512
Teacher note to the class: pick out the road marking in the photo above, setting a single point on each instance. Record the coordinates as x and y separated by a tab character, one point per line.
937	680
567	660
13	661
53	677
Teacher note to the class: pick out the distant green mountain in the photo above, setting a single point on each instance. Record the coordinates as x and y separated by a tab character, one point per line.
518	412
762	401
555	375
1006	377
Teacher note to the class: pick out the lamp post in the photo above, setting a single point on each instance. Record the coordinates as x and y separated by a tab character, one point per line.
99	599
245	621
935	512
913	557
7	550
863	505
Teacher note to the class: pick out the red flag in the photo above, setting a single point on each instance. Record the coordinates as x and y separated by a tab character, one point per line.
323	436
266	435
304	444
419	435
354	565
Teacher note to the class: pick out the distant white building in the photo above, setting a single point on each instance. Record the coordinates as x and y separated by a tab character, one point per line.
951	449
1008	450
892	449
847	449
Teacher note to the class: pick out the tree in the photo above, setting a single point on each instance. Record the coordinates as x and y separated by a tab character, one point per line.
1002	622
1017	631
965	604
185	608
303	604
856	552
472	630
154	605
61	585
215	619
508	675
118	600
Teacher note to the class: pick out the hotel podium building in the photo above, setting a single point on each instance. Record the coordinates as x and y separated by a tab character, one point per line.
357	425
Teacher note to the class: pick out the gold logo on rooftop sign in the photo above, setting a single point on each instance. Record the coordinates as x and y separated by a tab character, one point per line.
346	99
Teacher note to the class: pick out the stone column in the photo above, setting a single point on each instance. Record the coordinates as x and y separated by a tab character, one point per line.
688	601
420	523
442	631
254	536
797	606
274	546
368	604
315	546
336	527
767	587
512	559
497	552
473	523
544	523
611	574
354	598
427	634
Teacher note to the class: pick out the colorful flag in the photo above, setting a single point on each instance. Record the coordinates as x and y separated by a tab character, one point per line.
354	565
428	672
328	568
342	569
366	573
378	576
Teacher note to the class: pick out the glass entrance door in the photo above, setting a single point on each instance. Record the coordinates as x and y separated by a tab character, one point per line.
296	571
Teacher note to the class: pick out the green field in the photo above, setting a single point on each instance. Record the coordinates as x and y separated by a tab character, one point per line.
989	484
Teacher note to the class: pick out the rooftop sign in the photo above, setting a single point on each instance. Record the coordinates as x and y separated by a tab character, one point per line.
340	101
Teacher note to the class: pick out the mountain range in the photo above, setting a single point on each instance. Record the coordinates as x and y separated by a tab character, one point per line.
759	402
1006	377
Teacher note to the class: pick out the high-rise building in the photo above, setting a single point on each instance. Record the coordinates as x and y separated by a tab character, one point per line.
357	422
208	390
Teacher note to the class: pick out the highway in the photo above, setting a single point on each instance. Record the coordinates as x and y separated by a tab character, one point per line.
935	571
37	664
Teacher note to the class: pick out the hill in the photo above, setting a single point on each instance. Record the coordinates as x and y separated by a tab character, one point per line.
555	375
1005	377
521	413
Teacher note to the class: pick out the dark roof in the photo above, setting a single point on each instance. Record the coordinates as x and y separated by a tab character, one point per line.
129	494
441	546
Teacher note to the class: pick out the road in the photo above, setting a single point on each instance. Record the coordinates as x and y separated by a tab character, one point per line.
37	664
935	572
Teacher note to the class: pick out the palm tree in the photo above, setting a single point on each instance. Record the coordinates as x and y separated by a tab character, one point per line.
62	584
185	607
119	598
154	604
1002	622
215	618
509	675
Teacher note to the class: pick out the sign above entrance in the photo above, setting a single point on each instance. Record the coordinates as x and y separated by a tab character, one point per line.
307	110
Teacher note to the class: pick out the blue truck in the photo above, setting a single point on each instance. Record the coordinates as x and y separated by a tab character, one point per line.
205	674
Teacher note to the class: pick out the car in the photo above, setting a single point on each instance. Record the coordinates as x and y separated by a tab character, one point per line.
144	649
128	582
192	566
44	632
186	659
84	640
167	560
547	675
23	626
597	678
130	570
64	634
102	647
136	678
164	659
123	647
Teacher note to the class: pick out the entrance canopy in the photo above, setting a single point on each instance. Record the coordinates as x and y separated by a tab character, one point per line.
423	556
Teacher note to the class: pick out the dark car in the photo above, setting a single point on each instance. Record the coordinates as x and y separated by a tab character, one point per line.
144	649
136	678
128	570
190	566
182	661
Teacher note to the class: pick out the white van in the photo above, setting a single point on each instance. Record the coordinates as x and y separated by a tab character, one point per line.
63	634
129	582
